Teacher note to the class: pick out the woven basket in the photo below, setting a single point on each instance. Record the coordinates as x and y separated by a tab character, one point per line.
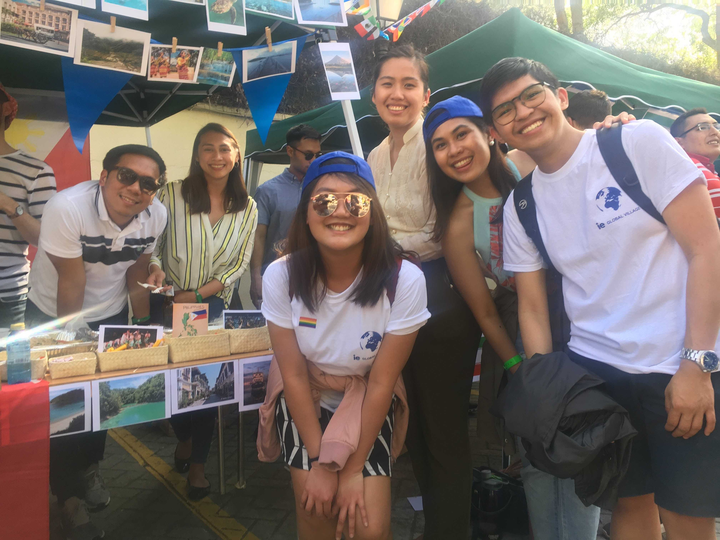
81	364
133	358
244	340
186	349
38	365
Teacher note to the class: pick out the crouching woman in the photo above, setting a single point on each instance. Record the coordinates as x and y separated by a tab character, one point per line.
343	308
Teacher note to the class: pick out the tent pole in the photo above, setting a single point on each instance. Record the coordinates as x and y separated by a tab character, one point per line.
352	128
147	136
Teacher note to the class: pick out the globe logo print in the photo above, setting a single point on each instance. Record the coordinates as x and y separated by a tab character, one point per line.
370	341
608	198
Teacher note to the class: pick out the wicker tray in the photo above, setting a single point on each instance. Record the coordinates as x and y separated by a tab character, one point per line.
185	349
38	365
83	363
134	358
244	340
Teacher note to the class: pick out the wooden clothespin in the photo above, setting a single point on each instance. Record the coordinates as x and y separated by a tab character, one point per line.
220	48
42	5
174	44
268	38
112	24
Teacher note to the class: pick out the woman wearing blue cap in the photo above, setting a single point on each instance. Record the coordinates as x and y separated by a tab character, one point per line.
343	306
470	180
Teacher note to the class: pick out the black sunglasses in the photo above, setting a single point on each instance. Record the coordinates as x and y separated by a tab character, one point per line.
128	177
309	156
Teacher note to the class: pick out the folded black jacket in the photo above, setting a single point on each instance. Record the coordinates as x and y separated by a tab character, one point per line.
569	427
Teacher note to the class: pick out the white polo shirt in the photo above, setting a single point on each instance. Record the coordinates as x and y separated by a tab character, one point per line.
76	223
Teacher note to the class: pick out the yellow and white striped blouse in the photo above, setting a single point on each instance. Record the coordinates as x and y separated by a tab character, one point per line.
192	252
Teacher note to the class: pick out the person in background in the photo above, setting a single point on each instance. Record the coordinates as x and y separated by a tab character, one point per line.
96	239
699	135
277	200
587	108
204	250
26	184
438	439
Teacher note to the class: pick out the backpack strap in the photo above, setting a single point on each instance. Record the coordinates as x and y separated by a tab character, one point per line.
617	161
527	213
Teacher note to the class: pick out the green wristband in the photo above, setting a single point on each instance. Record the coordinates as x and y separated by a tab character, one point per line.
141	321
512	362
198	297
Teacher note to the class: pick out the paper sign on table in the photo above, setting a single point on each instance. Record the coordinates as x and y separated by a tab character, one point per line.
190	319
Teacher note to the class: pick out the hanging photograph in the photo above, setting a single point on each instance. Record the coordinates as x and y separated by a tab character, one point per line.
320	12
260	62
137	9
205	386
121	338
52	30
90	4
129	400
339	70
179	66
226	16
255	373
195	2
122	50
69	409
275	8
216	69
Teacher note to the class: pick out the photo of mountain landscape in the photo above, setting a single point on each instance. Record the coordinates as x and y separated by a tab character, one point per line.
122	50
339	70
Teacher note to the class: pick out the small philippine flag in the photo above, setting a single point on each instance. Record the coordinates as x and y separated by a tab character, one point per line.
307	322
202	314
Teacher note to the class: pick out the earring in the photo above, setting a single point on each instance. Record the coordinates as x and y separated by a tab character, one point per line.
492	142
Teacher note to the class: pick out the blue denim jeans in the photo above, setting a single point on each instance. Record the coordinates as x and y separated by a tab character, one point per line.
555	511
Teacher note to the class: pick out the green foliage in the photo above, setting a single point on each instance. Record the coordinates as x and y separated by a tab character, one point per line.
110	403
69	398
128	54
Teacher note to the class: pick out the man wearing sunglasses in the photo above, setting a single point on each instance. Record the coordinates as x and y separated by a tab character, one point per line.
277	200
698	134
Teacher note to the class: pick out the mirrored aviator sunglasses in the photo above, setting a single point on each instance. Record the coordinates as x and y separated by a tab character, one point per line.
325	204
128	177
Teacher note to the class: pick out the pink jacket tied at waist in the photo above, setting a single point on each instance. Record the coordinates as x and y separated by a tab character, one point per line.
342	435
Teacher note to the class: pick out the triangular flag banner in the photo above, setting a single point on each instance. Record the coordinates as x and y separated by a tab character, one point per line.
357	7
396	29
264	95
88	91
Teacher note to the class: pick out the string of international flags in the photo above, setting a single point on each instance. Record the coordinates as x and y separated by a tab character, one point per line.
369	28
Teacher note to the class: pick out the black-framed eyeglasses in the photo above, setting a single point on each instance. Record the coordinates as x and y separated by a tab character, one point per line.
533	96
702	126
309	156
325	204
128	177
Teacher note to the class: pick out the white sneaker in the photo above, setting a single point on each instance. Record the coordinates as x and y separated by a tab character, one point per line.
76	521
97	496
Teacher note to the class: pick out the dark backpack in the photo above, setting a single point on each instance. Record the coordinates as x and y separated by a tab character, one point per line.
622	170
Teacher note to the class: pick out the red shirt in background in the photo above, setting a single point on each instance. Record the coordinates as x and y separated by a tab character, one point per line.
713	181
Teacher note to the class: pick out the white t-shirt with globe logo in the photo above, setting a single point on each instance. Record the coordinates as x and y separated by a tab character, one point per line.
624	274
342	338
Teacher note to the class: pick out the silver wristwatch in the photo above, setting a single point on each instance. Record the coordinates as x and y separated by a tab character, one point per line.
19	211
707	360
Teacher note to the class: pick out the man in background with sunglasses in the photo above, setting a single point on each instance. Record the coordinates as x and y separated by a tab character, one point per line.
277	200
697	132
96	240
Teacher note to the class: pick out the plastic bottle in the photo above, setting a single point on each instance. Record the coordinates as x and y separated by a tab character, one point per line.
18	355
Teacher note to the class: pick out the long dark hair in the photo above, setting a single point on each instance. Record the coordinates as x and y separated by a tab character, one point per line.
445	190
194	187
308	278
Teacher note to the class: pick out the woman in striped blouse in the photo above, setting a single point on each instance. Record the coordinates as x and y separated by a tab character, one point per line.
204	250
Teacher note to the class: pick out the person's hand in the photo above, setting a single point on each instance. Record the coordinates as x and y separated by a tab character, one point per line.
622	118
185	297
7	205
156	277
319	492
256	291
350	494
689	399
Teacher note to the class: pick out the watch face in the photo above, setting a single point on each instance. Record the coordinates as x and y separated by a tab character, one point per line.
710	361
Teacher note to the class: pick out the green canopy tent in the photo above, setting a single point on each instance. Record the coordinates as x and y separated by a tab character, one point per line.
459	67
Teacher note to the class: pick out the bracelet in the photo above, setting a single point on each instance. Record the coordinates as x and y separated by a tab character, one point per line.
512	362
198	297
141	320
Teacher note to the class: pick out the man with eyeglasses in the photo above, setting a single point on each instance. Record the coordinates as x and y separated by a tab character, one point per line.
698	134
641	296
277	200
96	240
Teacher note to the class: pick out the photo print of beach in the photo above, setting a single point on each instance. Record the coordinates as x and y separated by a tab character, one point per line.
216	69
129	400
276	8
137	9
201	387
261	62
69	409
339	70
320	12
234	320
128	337
178	66
255	373
123	50
52	30
226	16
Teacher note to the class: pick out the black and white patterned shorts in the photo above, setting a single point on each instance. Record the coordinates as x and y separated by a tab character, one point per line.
378	462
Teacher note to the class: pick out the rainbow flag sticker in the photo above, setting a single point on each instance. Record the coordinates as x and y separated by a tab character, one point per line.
307	322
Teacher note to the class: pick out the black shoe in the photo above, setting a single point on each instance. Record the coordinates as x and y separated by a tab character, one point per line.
181	465
196	493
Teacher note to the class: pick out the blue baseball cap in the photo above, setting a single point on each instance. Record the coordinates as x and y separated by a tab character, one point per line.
455	107
320	167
